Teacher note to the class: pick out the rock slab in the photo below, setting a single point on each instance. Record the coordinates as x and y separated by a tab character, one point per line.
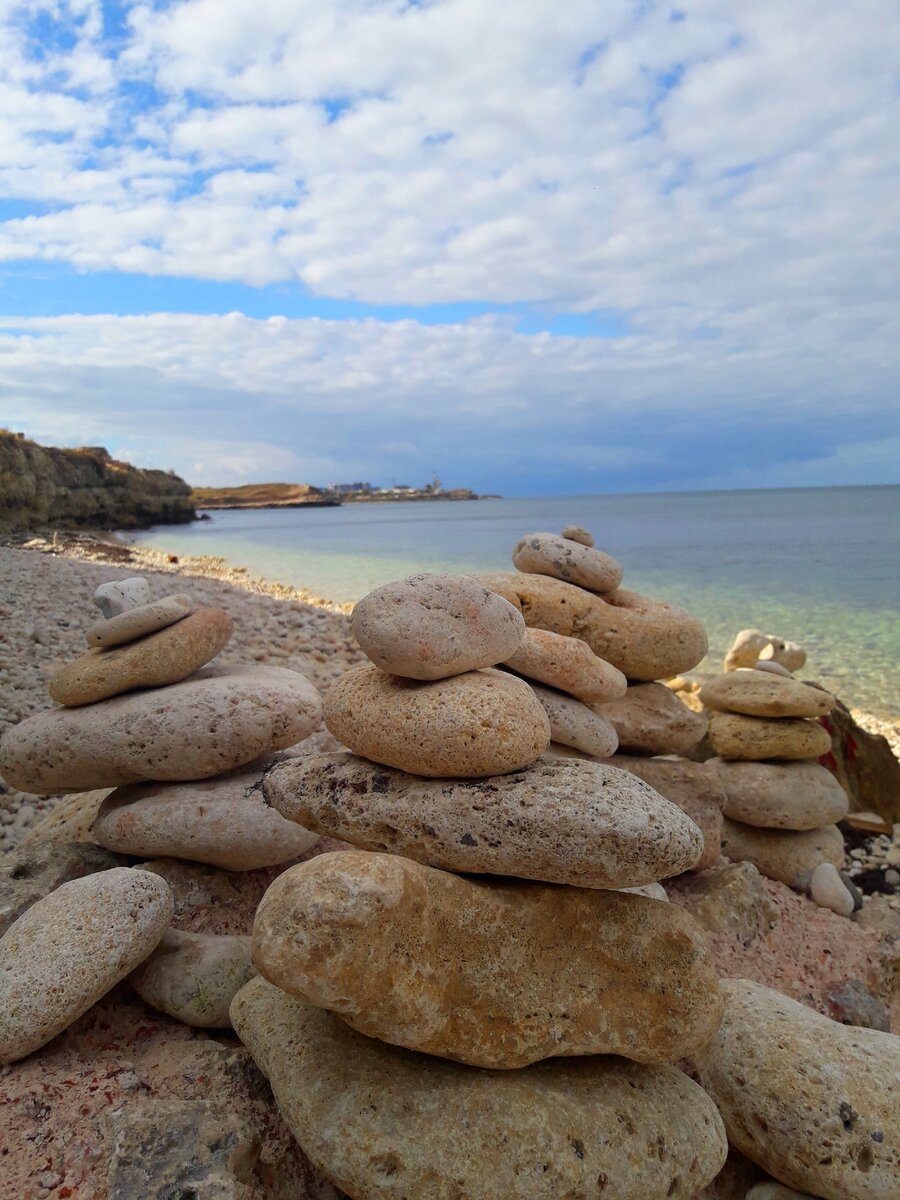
137	622
756	738
759	694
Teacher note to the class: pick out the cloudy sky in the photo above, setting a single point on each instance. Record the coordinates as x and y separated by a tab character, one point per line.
536	248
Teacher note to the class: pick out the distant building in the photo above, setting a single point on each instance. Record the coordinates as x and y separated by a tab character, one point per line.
345	489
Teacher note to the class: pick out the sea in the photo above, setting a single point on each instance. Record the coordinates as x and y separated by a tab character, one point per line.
819	566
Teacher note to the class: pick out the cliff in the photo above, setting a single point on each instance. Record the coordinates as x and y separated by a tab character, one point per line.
41	487
264	495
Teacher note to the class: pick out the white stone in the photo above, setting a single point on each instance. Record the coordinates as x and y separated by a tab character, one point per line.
118	597
774	668
829	891
653	891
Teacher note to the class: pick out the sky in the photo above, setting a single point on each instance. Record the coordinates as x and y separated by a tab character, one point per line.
535	248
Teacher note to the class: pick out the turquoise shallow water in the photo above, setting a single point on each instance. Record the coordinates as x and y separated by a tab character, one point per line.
817	565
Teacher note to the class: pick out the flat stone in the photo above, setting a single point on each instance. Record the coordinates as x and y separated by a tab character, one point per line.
564	821
828	891
567	559
753	739
813	1102
785	795
224	822
650	719
574	724
213	722
772	668
730	900
568	664
782	854
384	1121
757	694
479	723
158	659
70	948
137	622
644	638
120	595
193	977
30	872
577	533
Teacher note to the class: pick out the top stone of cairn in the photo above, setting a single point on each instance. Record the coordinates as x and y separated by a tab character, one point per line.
567	559
117	597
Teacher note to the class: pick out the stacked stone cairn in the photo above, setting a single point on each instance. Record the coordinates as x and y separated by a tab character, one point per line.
468	1004
184	746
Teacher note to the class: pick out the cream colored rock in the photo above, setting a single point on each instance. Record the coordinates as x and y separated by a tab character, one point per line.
569	665
751	645
193	977
787	654
752	739
161	658
812	1101
386	1122
479	723
70	948
828	891
652	891
756	694
565	821
785	795
223	821
574	724
203	726
433	626
121	595
644	638
138	622
567	559
427	960
772	668
650	719
782	854
577	533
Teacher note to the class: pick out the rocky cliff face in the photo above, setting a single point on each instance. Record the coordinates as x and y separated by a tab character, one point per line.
42	487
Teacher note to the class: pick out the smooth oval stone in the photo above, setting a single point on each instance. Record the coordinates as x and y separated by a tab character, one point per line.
828	891
434	626
120	595
137	622
772	667
387	1122
787	795
652	891
428	960
161	658
479	723
811	1101
568	664
223	821
757	694
574	724
70	948
650	719
193	977
577	533
782	854
753	739
564	558
202	726
563	821
644	638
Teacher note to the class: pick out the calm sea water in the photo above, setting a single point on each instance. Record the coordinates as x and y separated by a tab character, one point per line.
818	566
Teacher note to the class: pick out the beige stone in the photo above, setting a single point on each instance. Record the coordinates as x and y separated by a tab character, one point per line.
70	948
138	622
577	533
203	726
70	820
568	664
565	821
644	638
827	889
753	739
432	626
787	654
651	719
731	900
751	645
785	795
567	559
782	854
193	977
812	1101
574	724
160	658
479	723
119	595
772	668
757	694
386	1122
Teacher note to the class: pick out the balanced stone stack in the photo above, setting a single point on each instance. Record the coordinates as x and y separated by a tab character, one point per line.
184	745
428	1033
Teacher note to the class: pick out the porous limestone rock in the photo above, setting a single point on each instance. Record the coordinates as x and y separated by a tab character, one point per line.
785	795
730	900
382	1121
650	719
757	694
644	638
120	595
577	533
137	622
495	975
213	722
574	724
70	948
564	558
475	724
433	626
30	872
827	889
569	665
811	1101
563	821
753	739
193	977
782	854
